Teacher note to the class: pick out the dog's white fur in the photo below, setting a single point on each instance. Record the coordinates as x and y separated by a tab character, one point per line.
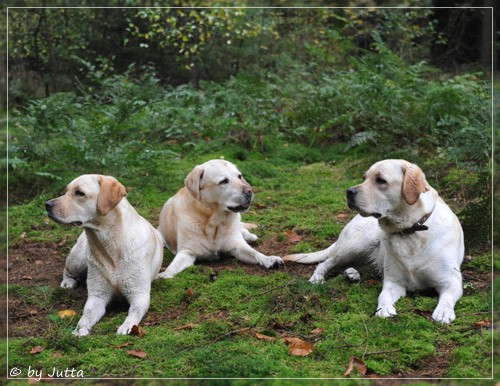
203	219
393	197
120	251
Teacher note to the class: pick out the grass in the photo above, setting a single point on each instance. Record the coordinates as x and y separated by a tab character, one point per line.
226	313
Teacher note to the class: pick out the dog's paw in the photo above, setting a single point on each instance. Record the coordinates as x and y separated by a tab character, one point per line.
250	237
443	314
69	282
80	332
386	311
317	278
352	275
165	275
124	329
271	261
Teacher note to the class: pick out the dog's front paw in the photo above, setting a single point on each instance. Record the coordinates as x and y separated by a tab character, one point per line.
124	329
352	275
69	282
166	275
386	311
79	332
271	261
250	237
317	278
443	314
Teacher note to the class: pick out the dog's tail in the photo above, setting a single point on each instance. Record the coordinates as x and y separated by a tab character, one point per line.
308	258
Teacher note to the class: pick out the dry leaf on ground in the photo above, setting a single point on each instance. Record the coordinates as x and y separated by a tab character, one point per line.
36	350
265	337
355	362
137	353
482	324
299	347
317	331
137	331
293	237
66	313
188	326
121	345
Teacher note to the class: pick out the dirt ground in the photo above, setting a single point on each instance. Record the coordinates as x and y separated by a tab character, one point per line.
41	264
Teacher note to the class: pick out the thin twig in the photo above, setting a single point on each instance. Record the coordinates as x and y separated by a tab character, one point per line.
381	352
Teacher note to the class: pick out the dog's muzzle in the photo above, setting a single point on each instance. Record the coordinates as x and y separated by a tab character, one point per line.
351	203
247	195
49	207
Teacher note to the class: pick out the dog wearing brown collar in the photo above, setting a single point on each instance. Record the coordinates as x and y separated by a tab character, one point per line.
406	231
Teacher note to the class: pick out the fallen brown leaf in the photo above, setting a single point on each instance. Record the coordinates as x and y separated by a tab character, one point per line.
121	345
36	350
265	337
284	326
483	323
66	313
57	355
137	331
188	326
299	347
426	314
372	281
137	353
293	237
317	331
355	362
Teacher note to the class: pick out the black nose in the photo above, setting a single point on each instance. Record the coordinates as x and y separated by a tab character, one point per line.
49	205
351	193
247	193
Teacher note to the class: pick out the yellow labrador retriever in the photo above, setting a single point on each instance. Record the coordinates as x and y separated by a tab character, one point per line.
119	250
203	219
406	231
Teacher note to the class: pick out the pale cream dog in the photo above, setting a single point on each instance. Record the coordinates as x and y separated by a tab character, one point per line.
203	219
119	250
406	231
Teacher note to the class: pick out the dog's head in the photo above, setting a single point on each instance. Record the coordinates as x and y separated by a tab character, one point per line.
87	198
220	183
389	187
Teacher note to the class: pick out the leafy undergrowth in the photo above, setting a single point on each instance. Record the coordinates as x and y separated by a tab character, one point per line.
230	320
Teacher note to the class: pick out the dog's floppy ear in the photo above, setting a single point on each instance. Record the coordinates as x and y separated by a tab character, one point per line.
414	183
192	181
110	195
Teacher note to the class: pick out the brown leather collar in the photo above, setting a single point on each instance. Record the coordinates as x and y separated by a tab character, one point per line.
417	227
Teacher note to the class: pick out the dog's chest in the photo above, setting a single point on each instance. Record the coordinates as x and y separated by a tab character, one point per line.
409	260
211	239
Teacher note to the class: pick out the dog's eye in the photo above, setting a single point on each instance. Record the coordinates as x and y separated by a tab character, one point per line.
380	181
239	176
79	193
224	181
